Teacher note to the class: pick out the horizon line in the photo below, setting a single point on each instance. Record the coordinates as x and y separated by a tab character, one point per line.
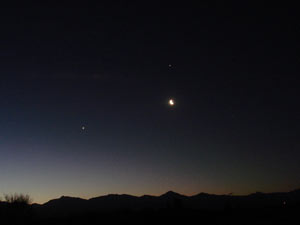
139	196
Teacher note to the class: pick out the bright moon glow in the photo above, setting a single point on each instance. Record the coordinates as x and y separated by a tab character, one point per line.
171	102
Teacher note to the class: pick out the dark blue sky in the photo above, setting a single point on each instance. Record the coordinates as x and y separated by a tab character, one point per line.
233	75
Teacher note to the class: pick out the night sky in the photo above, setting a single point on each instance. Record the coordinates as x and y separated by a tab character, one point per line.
84	93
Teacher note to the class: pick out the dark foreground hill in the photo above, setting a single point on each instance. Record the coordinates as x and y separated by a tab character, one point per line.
171	207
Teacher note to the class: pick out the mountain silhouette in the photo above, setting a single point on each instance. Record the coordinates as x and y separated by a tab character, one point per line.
116	202
171	195
168	208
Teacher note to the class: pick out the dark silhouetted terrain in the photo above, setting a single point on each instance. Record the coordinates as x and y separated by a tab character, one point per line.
169	208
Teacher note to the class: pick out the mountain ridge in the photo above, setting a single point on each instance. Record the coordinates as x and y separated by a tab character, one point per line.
171	194
170	199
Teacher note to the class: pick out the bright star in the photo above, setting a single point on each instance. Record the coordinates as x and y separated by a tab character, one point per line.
171	102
